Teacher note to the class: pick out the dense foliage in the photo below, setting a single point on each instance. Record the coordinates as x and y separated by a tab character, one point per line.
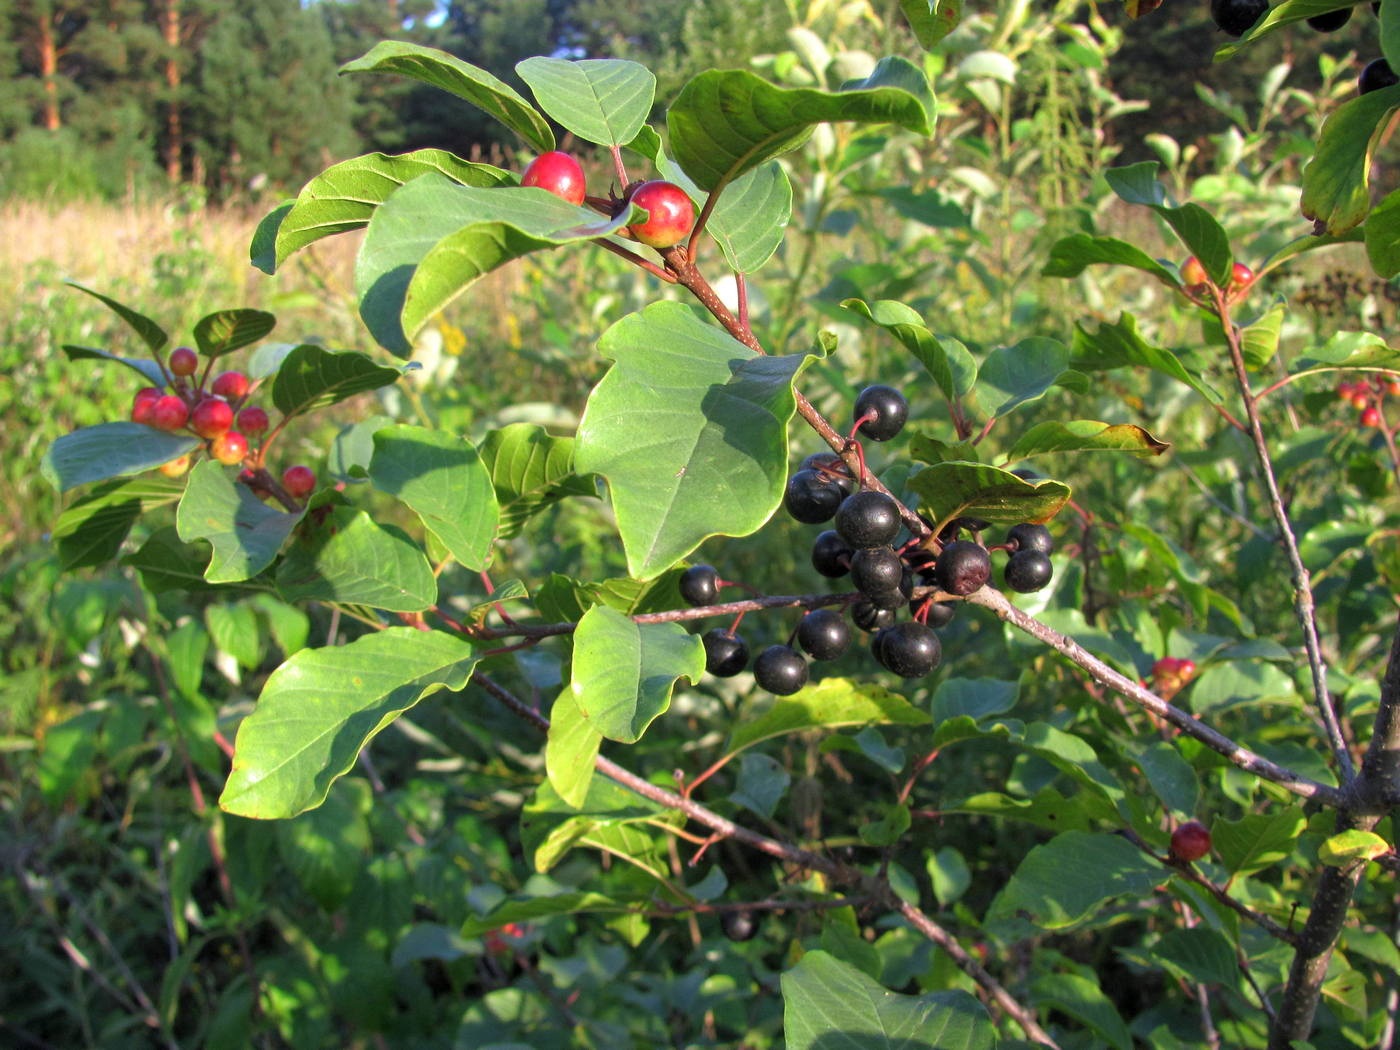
541	710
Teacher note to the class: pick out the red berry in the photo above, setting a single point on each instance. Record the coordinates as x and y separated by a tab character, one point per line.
211	417
1191	841
232	386
176	467
1241	276
1371	417
183	361
1393	388
1359	400
671	214
143	403
229	448
1192	272
1186	668
299	481
252	421
558	173
169	413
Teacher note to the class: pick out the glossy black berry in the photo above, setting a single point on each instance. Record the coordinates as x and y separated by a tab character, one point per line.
831	555
1331	21
700	585
876	570
909	649
1375	76
940	614
739	926
963	567
780	669
891	599
831	467
1028	571
1028	537
811	498
870	617
824	634
889	408
868	519
957	526
725	654
1237	16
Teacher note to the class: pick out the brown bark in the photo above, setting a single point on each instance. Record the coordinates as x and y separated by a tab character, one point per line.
48	70
174	132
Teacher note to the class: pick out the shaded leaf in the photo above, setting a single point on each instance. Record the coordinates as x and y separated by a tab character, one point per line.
1119	346
832	703
91	530
110	450
245	532
311	377
951	490
530	470
1065	882
147	370
1085	435
1070	256
152	334
1257	840
223	332
1084	1000
1337	181
351	558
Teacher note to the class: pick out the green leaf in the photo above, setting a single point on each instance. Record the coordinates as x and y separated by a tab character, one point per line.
1199	955
752	216
1203	236
931	208
1259	339
931	20
602	100
1337	181
110	450
944	358
151	333
462	79
530	470
832	703
569	751
234	630
433	238
1084	1000
1390	36
166	563
1345	351
1171	776
320	708
690	428
976	697
1382	233
245	532
1049	809
325	849
725	122
223	332
351	558
344	196
262	251
762	783
610	817
311	377
535	909
886	831
831	1005
949	873
623	671
951	490
442	479
1120	346
90	531
1070	256
147	370
1085	435
1278	16
1011	376
1065	882
1257	840
1348	846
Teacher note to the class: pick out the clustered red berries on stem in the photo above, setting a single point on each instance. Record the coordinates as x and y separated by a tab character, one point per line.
1196	282
1367	395
865	544
209	413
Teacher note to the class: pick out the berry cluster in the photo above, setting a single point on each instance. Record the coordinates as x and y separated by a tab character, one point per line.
1237	17
211	412
863	545
1366	395
1197	282
1171	674
671	212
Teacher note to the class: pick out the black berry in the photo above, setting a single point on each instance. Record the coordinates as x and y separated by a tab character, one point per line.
1375	76
889	408
700	585
740	925
725	654
831	467
960	525
811	498
909	649
1331	21
940	614
1237	16
876	570
1028	537
824	634
962	568
868	519
780	669
1028	571
831	556
870	617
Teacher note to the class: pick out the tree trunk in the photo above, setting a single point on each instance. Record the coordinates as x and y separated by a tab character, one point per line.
174	133
48	70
